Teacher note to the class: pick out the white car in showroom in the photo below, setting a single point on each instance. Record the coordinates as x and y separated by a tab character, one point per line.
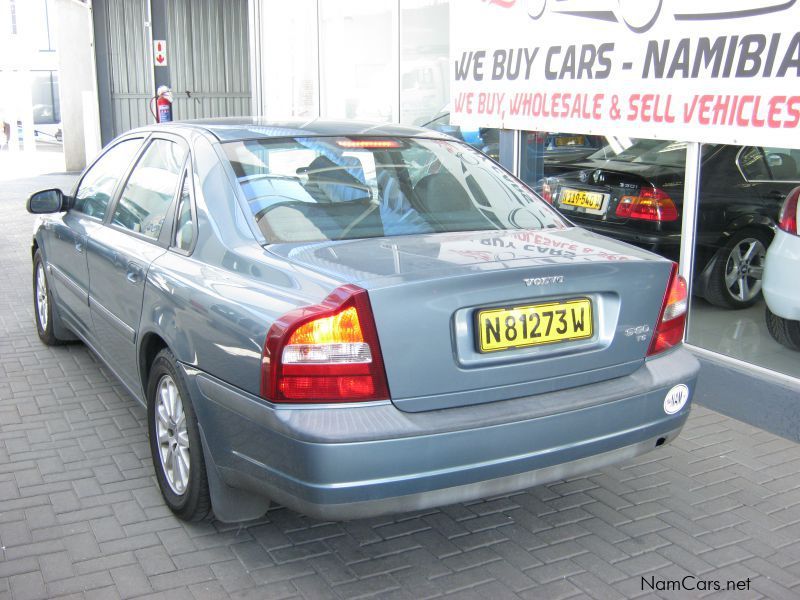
781	284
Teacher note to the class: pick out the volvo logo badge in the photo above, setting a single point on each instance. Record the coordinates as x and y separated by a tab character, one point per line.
583	176
529	281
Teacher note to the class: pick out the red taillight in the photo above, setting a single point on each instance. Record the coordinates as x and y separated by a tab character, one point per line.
672	318
328	352
788	219
547	192
652	204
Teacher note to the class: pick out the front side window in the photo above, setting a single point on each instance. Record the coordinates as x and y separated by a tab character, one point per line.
147	196
329	188
100	181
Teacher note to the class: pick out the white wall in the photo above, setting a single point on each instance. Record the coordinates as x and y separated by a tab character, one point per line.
73	25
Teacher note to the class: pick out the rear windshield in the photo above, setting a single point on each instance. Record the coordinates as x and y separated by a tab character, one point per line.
650	152
331	188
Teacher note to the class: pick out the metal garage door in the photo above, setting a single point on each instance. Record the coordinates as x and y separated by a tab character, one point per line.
129	70
208	59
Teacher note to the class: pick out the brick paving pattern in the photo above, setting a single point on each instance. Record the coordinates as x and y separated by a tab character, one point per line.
81	515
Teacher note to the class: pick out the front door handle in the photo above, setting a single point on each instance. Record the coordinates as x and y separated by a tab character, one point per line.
135	273
80	245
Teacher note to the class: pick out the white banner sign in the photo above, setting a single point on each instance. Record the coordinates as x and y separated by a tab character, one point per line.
725	71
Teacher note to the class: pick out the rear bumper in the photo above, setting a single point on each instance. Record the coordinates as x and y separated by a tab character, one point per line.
359	461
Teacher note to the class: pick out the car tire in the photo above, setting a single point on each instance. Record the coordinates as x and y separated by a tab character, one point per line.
175	441
735	280
784	331
43	309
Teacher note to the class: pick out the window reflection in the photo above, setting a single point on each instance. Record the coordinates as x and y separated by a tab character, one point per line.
358	64
424	46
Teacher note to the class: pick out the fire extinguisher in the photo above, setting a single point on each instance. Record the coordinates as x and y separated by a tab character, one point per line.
163	101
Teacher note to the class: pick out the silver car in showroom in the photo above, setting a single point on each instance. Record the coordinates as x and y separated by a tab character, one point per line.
354	319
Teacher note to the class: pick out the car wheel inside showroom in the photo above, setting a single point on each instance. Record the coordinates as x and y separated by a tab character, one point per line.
353	319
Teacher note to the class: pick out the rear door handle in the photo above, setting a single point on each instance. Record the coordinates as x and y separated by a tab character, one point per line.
135	273
80	244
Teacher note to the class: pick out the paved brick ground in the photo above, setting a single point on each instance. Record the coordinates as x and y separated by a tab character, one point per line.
81	516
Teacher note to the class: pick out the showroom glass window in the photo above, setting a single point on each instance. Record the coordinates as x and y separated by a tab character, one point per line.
44	89
424	60
742	191
627	188
289	51
358	59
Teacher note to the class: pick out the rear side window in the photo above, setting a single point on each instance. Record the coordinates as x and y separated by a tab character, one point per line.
330	188
100	181
184	223
148	194
752	164
769	164
783	163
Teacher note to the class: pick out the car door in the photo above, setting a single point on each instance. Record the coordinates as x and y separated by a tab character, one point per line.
65	246
136	232
771	173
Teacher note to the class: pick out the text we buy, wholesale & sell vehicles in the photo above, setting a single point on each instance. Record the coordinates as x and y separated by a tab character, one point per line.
353	319
633	191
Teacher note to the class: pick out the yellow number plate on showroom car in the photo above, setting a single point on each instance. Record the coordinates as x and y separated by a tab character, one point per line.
570	140
505	328
582	199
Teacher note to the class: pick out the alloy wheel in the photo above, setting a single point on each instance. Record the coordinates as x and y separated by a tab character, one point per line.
744	269
173	437
41	297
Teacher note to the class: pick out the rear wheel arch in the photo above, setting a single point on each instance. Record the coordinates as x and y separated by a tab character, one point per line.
175	438
749	221
152	343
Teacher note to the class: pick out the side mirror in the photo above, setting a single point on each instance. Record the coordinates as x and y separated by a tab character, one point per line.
47	201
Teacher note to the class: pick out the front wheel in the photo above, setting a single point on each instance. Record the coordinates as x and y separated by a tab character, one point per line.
784	331
738	268
175	441
43	304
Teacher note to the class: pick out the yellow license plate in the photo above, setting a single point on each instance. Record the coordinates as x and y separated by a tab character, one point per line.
570	140
582	199
520	326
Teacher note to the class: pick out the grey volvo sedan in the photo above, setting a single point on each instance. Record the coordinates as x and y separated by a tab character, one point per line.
354	319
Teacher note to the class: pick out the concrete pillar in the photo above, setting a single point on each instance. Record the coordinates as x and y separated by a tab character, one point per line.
73	26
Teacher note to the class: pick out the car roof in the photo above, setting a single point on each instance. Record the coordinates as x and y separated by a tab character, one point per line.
247	128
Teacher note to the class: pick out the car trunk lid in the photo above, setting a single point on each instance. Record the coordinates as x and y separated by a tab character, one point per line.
436	296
